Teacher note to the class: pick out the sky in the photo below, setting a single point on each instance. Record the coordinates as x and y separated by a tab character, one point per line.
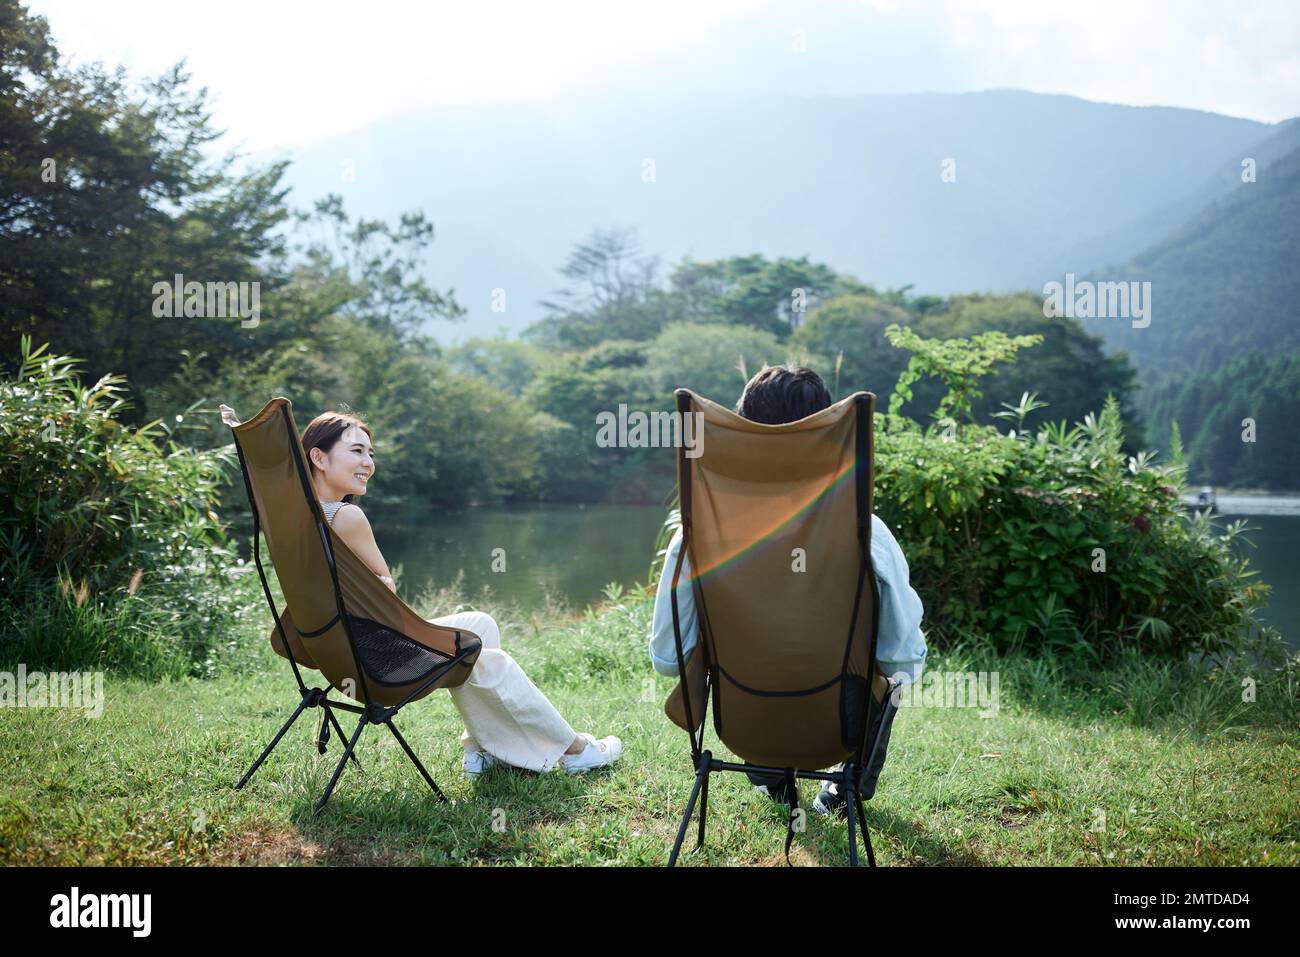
285	74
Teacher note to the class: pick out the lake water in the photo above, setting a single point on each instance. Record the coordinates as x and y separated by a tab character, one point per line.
568	551
1275	536
573	551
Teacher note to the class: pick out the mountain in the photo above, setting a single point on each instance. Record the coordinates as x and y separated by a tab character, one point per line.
1225	283
1132	237
1044	184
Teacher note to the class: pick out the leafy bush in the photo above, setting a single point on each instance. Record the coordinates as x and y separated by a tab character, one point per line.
111	555
1055	539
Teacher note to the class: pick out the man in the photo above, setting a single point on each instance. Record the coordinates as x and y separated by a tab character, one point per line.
774	396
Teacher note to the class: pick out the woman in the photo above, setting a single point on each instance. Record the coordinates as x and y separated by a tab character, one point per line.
507	719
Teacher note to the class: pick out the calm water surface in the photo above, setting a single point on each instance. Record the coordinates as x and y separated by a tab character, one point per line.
573	551
567	551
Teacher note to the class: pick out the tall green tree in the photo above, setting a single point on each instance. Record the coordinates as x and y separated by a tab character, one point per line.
753	291
854	327
1239	421
714	361
1069	371
107	190
610	292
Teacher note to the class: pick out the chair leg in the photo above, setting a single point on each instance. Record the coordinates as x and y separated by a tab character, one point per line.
320	805
339	731
416	761
850	794
701	775
704	811
271	747
866	834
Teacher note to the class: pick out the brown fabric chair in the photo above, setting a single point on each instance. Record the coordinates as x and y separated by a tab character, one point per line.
784	655
340	618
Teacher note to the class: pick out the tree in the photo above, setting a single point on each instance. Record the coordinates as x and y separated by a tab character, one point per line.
106	192
605	270
611	294
506	363
714	361
854	326
448	438
1070	371
381	263
749	290
574	467
1264	387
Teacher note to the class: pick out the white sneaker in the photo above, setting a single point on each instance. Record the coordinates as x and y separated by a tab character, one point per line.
597	754
476	762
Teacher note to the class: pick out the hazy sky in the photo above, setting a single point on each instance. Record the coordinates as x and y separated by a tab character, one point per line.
285	73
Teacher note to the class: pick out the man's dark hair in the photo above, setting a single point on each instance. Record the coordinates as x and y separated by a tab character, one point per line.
780	394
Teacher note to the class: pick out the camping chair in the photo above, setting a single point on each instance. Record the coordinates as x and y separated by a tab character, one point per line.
340	618
783	653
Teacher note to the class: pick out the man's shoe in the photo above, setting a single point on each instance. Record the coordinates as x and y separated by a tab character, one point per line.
778	793
831	799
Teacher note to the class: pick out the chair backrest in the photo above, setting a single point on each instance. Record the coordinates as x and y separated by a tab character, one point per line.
776	521
358	633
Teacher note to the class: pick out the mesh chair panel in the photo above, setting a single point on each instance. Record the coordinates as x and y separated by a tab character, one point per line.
389	657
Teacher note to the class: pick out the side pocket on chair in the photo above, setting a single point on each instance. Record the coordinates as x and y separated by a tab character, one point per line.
296	645
853	711
694	680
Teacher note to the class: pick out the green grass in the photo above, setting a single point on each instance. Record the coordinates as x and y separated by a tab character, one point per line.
1184	772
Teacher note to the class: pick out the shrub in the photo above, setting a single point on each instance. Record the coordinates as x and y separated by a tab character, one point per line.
1054	539
111	553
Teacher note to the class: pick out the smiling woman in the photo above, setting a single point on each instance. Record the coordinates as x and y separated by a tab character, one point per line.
342	461
507	719
342	456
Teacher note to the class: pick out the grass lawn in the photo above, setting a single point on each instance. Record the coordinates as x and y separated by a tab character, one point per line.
1139	765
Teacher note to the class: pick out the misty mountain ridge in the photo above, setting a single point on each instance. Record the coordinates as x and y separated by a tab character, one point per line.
1225	283
1043	184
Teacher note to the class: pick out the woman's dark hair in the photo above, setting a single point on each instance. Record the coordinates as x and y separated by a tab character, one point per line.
324	431
780	394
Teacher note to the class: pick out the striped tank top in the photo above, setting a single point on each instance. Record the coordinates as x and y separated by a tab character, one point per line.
331	509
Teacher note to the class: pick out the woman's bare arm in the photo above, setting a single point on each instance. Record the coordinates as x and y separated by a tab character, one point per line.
351	525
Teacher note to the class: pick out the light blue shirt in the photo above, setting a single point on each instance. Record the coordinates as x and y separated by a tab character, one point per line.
900	645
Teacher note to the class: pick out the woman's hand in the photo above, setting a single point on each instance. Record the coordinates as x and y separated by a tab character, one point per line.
228	415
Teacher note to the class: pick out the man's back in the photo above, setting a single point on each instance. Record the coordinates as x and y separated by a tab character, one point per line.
900	649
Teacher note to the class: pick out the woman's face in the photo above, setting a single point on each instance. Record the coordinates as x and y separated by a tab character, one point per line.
349	465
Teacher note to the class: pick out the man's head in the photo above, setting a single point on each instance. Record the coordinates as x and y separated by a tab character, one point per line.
780	394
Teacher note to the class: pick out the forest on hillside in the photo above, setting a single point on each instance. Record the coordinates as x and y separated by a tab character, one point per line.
110	189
